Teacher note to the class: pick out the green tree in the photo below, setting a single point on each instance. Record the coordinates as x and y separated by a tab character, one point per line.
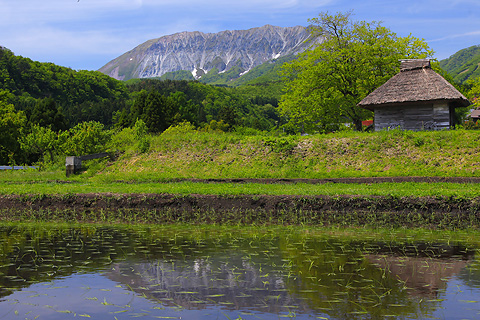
141	136
347	61
474	93
85	138
40	141
46	114
157	112
12	124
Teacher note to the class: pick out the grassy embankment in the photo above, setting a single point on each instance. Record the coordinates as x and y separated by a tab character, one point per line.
198	155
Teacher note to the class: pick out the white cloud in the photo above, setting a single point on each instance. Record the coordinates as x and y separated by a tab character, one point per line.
458	35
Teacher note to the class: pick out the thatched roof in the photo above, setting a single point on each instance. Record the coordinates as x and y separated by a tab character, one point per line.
416	82
475	114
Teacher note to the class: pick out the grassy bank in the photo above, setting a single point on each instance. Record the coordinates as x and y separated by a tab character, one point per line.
200	155
344	154
404	189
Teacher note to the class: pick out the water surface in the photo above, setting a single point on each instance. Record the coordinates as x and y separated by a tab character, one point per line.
115	272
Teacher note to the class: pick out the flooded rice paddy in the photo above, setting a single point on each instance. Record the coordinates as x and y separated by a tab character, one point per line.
181	272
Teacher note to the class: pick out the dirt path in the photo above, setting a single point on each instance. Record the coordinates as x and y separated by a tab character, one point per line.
344	180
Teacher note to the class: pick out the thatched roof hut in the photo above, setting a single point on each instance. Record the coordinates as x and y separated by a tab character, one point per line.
417	98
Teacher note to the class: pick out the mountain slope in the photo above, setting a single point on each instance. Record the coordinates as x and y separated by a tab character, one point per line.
463	65
228	52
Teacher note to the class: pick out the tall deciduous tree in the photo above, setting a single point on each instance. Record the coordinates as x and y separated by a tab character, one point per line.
347	61
40	141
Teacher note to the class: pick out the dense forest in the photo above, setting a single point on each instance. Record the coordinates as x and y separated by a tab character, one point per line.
80	96
44	95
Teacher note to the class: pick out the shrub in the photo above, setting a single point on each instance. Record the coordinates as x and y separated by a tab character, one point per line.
183	127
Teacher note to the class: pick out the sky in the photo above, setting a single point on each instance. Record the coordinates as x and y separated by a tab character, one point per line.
87	34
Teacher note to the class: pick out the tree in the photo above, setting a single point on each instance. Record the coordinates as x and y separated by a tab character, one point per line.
474	93
46	114
85	138
347	61
40	141
12	124
158	112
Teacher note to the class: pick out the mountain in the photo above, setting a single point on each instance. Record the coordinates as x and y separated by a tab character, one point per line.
224	55
463	65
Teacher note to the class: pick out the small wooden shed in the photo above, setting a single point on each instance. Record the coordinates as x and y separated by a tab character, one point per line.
417	98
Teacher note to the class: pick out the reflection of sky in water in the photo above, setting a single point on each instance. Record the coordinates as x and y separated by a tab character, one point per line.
460	301
120	274
95	296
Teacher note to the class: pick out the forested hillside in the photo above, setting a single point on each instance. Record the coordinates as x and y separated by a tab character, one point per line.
463	65
45	107
81	96
78	95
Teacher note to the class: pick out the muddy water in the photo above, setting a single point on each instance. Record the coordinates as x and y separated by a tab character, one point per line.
113	272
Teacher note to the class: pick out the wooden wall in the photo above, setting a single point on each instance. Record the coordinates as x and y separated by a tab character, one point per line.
413	117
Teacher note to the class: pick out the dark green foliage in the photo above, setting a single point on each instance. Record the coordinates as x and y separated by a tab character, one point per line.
60	98
463	65
12	124
158	112
38	80
46	114
70	90
199	104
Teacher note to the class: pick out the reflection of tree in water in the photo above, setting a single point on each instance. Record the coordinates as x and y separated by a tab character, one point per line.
423	277
271	272
471	274
351	281
423	268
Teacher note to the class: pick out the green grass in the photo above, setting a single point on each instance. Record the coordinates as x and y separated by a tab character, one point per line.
344	154
184	188
201	155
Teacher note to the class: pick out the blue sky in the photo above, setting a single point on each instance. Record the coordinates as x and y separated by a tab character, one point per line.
86	34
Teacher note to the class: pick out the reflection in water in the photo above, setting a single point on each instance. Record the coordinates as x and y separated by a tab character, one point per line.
231	273
423	277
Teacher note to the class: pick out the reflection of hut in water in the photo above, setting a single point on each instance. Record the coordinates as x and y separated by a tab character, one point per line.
422	276
417	98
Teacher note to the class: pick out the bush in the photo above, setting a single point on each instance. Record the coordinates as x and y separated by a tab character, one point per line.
183	127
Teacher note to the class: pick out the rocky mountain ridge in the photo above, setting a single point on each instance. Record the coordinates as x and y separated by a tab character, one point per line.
236	52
